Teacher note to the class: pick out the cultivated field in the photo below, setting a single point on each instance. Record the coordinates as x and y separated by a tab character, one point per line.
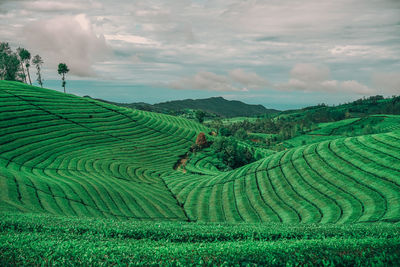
353	179
68	155
53	240
82	173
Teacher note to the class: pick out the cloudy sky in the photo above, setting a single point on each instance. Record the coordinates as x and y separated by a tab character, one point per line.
279	53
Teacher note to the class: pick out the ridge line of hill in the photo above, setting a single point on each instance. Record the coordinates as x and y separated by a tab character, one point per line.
214	105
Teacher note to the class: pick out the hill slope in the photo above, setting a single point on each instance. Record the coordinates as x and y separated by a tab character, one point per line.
217	105
67	155
345	180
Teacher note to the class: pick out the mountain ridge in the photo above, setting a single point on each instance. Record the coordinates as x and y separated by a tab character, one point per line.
216	105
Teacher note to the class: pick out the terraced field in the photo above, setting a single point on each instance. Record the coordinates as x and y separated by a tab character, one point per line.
372	124
67	155
357	126
344	180
87	183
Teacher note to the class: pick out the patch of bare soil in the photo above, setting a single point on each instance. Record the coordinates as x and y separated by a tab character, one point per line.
181	163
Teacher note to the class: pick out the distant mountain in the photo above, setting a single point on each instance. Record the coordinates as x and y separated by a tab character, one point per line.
216	105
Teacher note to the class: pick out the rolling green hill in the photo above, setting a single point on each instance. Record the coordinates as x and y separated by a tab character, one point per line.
63	154
345	180
79	175
217	105
214	105
67	155
371	124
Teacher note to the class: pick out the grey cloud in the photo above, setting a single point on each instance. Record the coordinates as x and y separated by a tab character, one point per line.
310	72
236	80
61	6
9	5
68	39
160	40
267	38
248	79
204	80
51	6
316	78
387	83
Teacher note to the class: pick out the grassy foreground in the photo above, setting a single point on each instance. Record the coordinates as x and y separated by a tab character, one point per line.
36	239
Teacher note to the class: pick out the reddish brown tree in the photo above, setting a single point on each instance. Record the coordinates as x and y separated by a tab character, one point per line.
201	140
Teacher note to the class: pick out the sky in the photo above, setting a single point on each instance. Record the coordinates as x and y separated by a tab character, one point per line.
279	53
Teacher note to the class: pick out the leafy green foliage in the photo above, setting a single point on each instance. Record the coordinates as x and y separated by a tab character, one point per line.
63	154
63	70
38	62
9	63
217	105
290	128
200	115
25	57
231	152
37	239
223	131
333	202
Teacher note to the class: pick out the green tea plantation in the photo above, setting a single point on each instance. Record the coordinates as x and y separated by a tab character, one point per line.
88	183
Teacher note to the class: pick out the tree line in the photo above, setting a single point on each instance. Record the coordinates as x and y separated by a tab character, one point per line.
15	66
290	124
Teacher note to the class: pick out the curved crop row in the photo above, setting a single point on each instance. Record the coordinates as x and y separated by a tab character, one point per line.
345	180
68	155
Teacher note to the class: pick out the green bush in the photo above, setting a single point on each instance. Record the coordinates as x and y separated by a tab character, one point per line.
232	153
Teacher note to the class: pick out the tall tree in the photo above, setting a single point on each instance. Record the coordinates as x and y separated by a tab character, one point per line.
20	53
25	57
9	63
38	62
200	115
63	70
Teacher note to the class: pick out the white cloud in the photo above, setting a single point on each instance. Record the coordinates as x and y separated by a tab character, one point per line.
52	6
310	72
387	83
204	80
248	79
316	78
355	87
134	39
360	51
68	39
61	6
303	77
236	80
155	41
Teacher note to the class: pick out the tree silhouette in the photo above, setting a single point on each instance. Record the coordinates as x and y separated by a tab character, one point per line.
25	57
62	70
200	115
37	61
9	63
23	75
